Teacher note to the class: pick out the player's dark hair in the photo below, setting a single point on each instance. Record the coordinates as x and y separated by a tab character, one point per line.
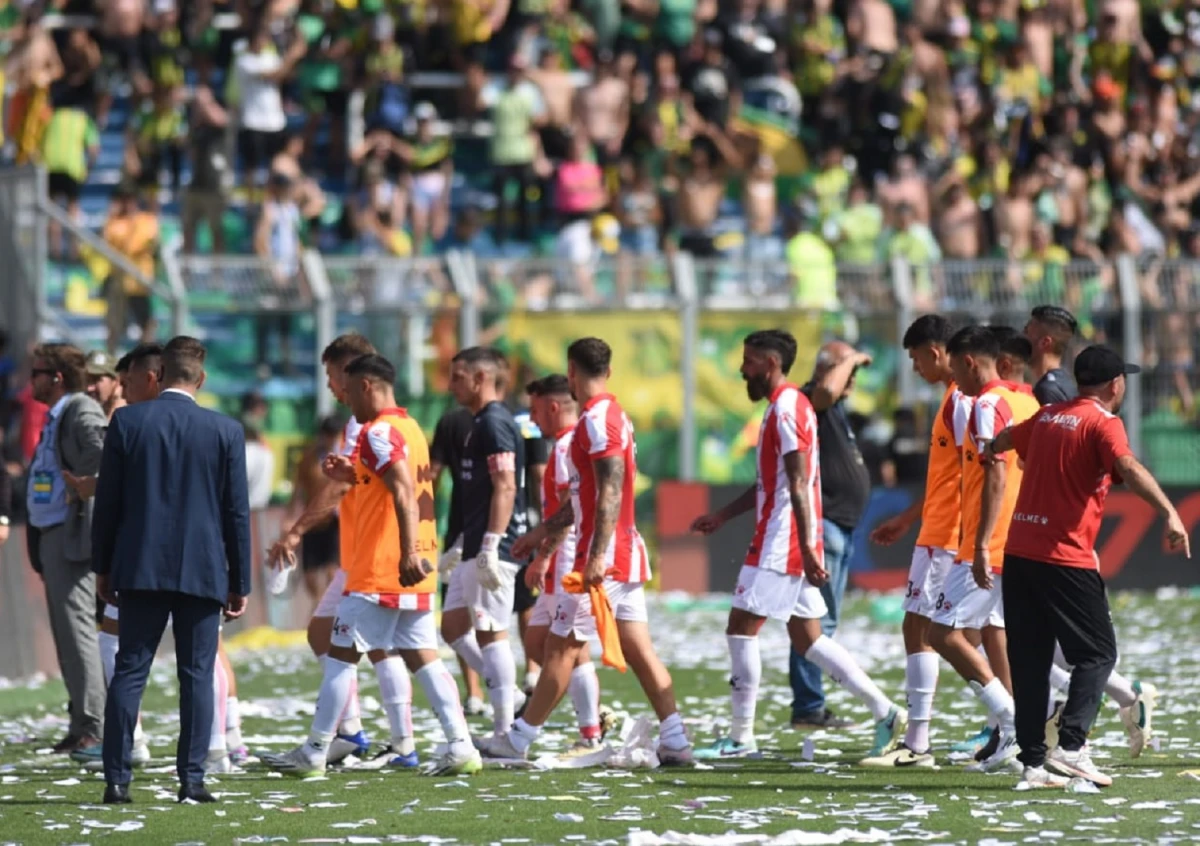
374	367
928	329
1018	348
777	341
534	388
975	340
1059	322
122	364
330	426
482	356
591	355
345	348
183	361
68	361
554	385
146	355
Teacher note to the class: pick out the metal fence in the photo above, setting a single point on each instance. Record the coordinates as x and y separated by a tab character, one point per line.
22	289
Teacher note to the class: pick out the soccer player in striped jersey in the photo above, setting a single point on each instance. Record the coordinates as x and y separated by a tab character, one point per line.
937	544
610	553
784	566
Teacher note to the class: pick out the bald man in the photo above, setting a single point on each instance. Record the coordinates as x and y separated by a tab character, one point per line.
845	488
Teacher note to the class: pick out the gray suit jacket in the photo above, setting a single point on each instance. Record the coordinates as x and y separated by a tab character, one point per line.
79	445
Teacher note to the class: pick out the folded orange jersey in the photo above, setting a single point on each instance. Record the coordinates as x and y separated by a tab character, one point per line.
606	622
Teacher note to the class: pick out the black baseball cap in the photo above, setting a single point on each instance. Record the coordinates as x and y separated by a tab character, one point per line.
1097	365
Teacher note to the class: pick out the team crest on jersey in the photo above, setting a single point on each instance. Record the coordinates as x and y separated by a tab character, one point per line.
943	442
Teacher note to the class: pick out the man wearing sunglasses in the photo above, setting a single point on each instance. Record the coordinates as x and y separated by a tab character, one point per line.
60	530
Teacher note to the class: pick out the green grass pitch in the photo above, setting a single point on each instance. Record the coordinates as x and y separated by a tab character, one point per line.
47	799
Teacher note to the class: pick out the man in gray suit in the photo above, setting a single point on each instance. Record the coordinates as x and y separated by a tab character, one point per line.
60	530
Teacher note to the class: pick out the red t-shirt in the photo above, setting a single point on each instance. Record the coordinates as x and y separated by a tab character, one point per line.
1070	450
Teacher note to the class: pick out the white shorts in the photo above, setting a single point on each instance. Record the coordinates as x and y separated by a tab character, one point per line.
328	606
543	610
492	609
962	604
428	189
365	625
573	614
778	596
926	576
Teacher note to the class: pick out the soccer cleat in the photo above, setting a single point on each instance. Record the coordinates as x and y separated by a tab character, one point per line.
675	757
456	762
498	746
217	763
608	722
1039	777
889	732
976	742
1003	758
583	746
474	707
1077	764
989	749
726	747
899	758
405	761
301	762
1052	725
1137	717
345	745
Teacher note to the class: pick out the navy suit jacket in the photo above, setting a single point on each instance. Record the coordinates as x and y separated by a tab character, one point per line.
172	510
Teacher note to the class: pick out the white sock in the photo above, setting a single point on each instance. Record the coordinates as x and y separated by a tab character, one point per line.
744	679
331	702
1060	679
500	675
523	735
216	734
108	654
395	690
584	690
468	649
920	683
998	703
351	721
531	679
833	658
139	736
233	722
441	690
1120	689
671	733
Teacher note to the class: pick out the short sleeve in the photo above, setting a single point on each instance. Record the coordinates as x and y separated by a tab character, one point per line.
956	414
351	437
1021	434
499	439
605	431
1112	443
991	416
1049	391
562	468
381	445
792	413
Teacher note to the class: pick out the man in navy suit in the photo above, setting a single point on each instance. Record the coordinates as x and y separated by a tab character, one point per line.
171	536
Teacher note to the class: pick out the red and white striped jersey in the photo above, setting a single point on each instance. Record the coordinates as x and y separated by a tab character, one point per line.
789	425
555	480
603	432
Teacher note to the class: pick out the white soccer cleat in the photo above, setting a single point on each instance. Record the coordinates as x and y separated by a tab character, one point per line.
218	763
668	757
899	758
1138	716
1004	758
499	746
301	762
1077	764
1038	777
460	760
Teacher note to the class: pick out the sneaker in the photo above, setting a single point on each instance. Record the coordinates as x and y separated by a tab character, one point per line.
727	747
609	721
819	720
1137	717
499	746
889	732
675	757
92	757
1003	758
474	707
239	755
345	745
1052	725
89	755
900	757
218	763
583	746
1077	764
989	749
403	760
976	742
1039	777
456	762
301	762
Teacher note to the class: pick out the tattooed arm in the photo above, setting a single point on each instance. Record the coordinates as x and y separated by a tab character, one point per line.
610	484
546	536
798	469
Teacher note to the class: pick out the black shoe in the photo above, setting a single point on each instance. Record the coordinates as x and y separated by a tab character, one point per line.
989	749
68	744
820	720
196	792
117	794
